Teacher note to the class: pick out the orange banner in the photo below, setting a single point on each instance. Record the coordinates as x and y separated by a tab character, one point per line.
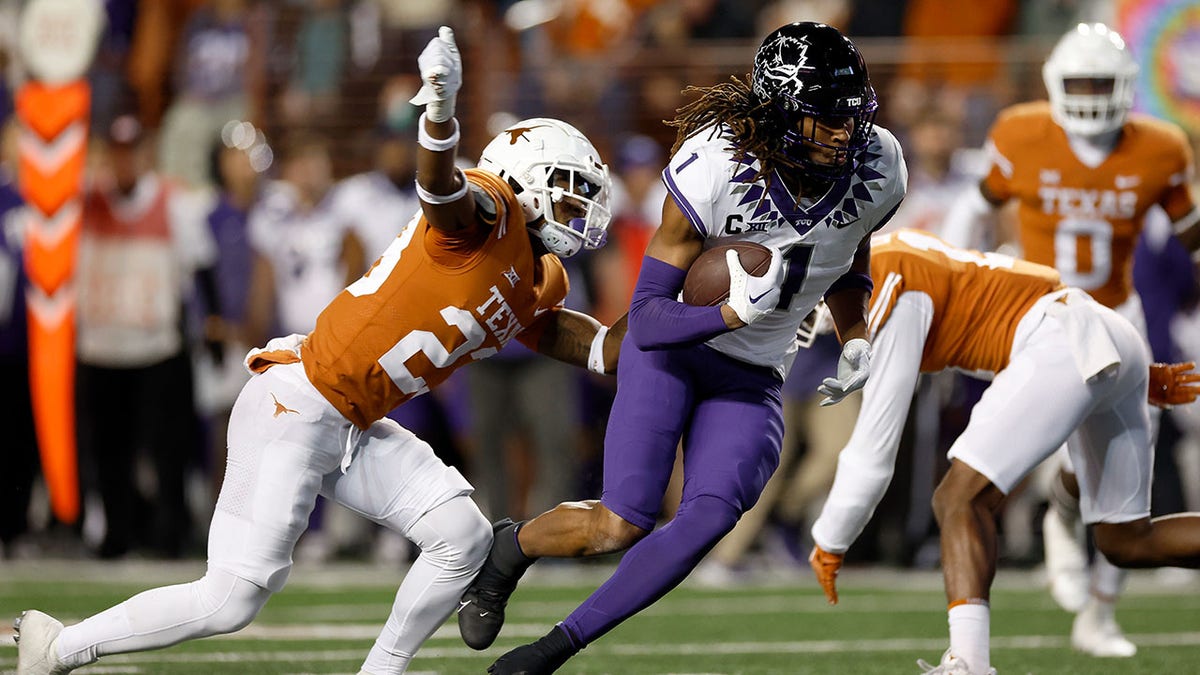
53	147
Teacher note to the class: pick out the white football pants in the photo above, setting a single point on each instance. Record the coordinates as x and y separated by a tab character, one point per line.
286	445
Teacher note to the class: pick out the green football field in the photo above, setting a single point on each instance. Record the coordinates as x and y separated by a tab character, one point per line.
326	619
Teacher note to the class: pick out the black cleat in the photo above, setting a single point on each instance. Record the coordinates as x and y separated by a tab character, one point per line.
543	657
481	610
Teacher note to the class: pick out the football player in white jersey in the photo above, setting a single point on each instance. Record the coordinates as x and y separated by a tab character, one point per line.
790	159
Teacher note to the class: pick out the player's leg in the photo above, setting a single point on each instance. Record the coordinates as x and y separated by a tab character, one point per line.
652	403
272	477
731	449
396	480
1064	539
1115	460
1029	410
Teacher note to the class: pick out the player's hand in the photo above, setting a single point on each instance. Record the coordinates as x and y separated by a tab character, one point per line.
441	76
826	565
1173	384
751	297
854	367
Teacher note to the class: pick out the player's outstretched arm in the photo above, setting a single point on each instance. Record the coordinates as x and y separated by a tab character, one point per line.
580	340
441	186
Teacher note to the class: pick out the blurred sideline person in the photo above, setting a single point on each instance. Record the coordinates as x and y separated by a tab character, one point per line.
142	240
476	268
790	159
1066	369
1084	171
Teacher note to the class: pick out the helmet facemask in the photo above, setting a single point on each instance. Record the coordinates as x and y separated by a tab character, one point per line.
573	206
800	137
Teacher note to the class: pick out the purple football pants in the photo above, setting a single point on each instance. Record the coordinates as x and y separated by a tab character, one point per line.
729	415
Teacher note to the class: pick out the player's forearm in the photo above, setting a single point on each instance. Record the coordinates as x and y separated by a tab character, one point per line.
658	321
969	214
580	340
436	172
849	307
866	464
1187	229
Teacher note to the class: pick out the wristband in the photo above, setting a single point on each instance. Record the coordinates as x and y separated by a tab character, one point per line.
425	140
596	353
430	198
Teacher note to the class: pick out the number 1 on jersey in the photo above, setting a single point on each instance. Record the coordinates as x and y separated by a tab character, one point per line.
798	258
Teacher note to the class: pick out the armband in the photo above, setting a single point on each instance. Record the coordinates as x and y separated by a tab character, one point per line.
430	198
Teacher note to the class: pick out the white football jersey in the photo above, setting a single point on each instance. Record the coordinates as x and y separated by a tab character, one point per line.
818	237
371	205
304	247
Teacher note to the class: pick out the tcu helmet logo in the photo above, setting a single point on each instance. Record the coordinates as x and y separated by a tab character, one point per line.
783	65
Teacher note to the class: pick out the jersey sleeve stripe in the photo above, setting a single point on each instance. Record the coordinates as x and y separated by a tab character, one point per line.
1187	221
1003	163
882	301
688	210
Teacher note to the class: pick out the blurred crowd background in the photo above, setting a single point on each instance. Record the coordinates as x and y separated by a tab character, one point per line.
273	144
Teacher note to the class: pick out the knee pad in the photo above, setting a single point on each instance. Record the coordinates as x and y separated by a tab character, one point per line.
230	602
462	535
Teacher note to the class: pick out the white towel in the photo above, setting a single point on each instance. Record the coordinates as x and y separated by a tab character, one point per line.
1080	316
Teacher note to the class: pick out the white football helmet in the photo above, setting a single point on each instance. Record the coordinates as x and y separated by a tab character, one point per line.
1092	51
531	154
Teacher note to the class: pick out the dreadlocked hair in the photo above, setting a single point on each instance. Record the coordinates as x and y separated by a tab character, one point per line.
754	125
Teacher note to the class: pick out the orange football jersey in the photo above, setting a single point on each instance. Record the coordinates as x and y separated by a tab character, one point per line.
1085	221
978	298
432	303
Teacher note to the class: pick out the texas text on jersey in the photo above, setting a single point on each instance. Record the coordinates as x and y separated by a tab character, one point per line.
432	303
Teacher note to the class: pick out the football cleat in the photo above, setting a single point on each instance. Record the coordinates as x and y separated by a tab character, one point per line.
36	635
949	665
545	656
1095	632
1066	562
481	610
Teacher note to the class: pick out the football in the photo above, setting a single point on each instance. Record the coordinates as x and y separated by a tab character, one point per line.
707	281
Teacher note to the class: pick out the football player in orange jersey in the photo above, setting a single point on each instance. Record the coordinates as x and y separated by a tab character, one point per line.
1083	171
475	268
1065	369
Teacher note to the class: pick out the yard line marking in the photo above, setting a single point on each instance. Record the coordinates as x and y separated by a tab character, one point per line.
1031	642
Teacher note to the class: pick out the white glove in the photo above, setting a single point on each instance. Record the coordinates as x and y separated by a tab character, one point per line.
441	76
854	367
753	297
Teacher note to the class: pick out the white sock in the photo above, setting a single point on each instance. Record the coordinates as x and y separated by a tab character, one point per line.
969	626
1108	580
